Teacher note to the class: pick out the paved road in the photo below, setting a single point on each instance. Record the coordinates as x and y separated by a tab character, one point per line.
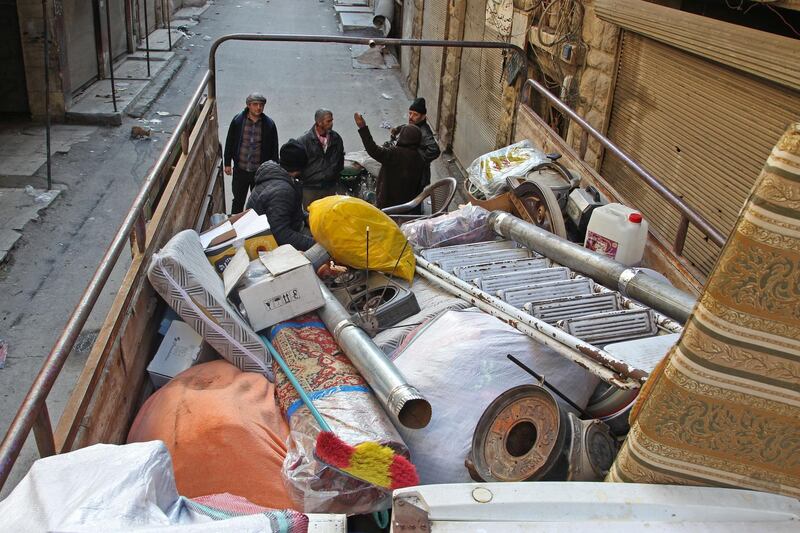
56	257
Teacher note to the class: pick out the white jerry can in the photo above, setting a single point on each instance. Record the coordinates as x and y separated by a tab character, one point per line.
619	232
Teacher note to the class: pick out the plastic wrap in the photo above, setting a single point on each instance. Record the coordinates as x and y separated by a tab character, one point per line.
465	225
458	362
355	417
489	172
345	401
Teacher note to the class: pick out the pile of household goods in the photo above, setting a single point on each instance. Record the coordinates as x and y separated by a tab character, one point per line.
320	382
523	180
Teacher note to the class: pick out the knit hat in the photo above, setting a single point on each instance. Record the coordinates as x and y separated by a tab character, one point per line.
410	136
418	105
293	156
256	97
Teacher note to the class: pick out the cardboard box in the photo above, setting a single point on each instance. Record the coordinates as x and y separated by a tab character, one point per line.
181	348
291	290
246	229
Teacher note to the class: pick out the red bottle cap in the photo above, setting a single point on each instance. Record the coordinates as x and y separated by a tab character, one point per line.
636	218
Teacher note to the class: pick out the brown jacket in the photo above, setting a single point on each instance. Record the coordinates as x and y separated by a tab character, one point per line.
402	166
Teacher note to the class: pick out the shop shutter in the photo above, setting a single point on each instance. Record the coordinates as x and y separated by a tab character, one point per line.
81	51
704	129
480	91
434	21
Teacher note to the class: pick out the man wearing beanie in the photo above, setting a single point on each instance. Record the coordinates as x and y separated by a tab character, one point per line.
252	139
402	165
418	115
279	195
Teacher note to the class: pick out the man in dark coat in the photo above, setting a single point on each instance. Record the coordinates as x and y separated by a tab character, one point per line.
252	139
279	195
418	115
402	165
325	151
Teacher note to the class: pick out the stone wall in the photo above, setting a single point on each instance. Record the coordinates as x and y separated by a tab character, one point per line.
595	81
31	29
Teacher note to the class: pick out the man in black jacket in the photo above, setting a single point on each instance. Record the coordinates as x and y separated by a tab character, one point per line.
325	151
279	195
252	139
429	148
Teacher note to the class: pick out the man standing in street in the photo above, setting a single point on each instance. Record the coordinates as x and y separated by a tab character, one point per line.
325	151
252	139
279	195
429	148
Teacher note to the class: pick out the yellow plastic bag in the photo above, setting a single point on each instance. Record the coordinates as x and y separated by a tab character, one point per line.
339	223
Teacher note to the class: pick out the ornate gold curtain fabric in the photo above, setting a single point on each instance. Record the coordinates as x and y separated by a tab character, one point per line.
723	408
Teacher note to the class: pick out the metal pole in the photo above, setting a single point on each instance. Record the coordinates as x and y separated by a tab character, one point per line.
595	360
402	401
47	92
37	395
147	38
652	292
110	55
371	42
696	218
169	26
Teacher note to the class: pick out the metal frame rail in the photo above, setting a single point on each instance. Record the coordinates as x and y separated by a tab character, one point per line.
33	413
688	214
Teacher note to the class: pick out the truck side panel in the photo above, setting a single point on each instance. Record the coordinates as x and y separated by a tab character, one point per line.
113	383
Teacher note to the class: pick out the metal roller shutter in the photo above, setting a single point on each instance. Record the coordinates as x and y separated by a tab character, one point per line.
480	91
434	20
81	51
702	128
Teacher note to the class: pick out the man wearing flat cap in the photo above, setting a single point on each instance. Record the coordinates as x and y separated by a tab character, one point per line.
252	139
429	148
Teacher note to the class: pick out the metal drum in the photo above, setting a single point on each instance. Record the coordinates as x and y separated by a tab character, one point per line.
592	450
521	436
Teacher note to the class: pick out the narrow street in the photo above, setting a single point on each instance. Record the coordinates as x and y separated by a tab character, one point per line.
48	270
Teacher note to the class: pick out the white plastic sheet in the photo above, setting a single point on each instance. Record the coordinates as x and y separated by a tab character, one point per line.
458	363
109	488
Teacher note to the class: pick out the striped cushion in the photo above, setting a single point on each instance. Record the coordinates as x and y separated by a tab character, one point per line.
182	275
722	409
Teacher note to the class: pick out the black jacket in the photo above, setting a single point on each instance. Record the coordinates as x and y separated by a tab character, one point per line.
280	197
323	167
269	139
402	168
429	149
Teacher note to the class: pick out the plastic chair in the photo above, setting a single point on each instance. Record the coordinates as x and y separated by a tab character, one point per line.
441	194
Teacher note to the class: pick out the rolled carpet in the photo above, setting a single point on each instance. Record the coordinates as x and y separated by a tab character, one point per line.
345	402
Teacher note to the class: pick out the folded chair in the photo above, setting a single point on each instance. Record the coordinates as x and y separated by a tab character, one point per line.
441	194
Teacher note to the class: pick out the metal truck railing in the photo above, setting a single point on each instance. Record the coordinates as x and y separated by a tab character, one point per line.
688	214
33	413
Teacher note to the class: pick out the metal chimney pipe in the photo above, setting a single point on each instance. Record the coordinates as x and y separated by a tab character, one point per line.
402	401
638	286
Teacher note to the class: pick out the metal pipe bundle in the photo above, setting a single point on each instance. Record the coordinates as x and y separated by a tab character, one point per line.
401	400
648	290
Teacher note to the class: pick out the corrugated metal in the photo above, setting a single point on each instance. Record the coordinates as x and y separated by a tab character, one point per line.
702	128
434	20
480	91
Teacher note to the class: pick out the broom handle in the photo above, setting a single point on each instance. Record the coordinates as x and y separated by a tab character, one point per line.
296	384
